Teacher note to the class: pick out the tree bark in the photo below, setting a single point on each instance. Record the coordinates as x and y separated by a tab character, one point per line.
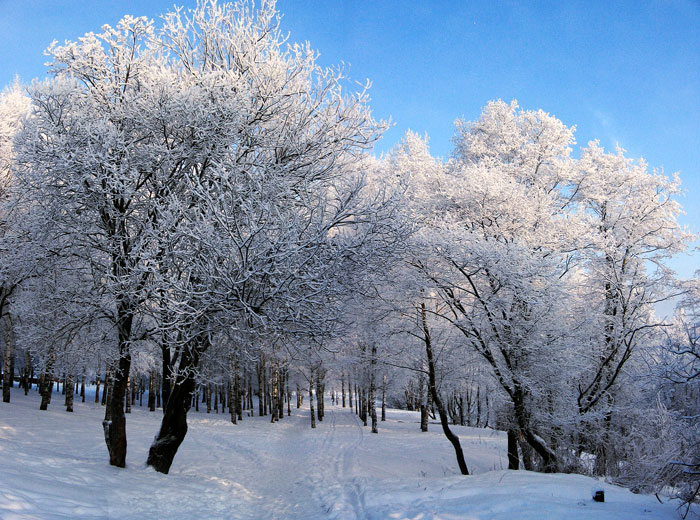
311	399
372	389
46	386
8	367
173	427
454	439
69	393
384	398
114	424
152	390
274	394
342	387
167	375
513	459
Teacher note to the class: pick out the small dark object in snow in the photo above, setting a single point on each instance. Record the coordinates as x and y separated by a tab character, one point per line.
599	495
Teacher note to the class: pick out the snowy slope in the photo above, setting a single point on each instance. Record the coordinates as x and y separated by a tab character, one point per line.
54	465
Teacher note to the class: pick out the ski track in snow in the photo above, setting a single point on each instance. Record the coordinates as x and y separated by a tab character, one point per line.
54	465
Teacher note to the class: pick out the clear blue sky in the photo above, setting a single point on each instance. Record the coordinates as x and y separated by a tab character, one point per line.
624	72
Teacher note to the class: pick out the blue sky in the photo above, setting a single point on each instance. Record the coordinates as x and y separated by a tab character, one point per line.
624	72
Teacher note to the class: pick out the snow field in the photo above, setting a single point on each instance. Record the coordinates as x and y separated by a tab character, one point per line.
54	465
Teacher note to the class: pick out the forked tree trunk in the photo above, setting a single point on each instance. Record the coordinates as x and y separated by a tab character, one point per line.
173	427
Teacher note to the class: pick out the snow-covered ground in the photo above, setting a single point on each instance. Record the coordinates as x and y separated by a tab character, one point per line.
55	465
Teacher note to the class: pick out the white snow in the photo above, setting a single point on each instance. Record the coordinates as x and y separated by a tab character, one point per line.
54	465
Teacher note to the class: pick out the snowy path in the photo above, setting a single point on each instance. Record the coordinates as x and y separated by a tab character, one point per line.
53	465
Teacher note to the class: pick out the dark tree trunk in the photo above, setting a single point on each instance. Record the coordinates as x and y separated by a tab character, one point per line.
274	394
513	459
114	424
46	386
372	389
239	388
289	396
173	427
320	390
280	394
232	399
311	400
69	393
384	398
342	388
152	391
108	381
128	393
261	403
549	459
454	439
166	375
8	368
27	373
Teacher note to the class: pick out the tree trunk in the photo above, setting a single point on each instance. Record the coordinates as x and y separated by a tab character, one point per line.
289	396
513	459
232	399
173	427
384	398
454	439
46	386
372	390
69	393
108	381
320	390
261	404
274	394
129	393
280	394
8	367
152	390
342	387
114	424
311	400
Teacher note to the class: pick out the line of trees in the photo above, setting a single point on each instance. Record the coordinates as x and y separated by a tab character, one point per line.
194	208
